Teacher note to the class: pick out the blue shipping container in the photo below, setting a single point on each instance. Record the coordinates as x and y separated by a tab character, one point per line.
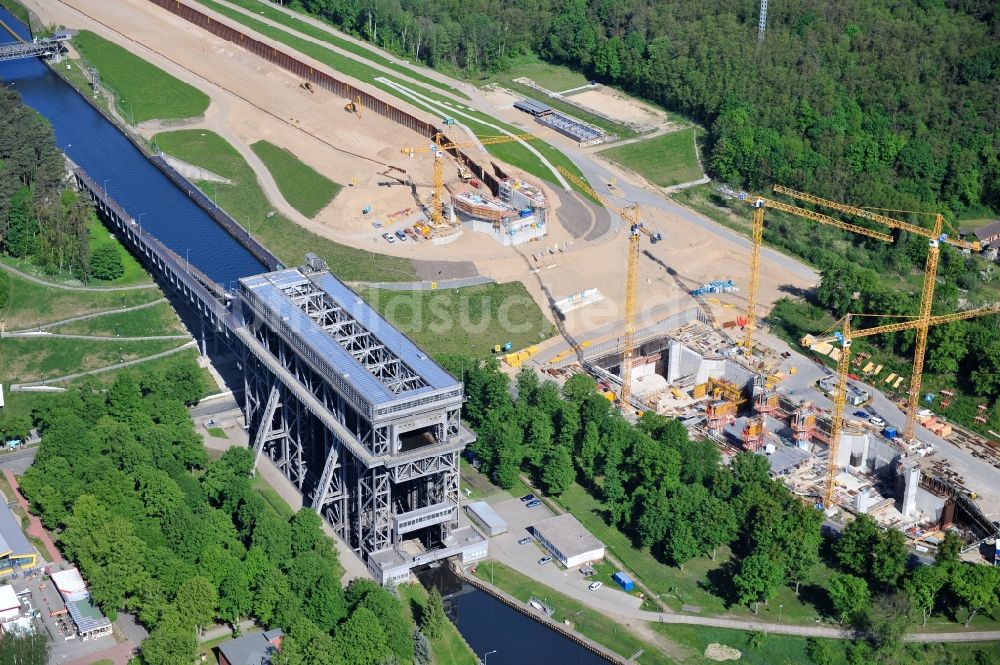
525	212
623	580
890	433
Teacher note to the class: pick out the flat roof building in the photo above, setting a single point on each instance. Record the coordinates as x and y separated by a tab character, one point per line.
86	616
10	605
15	550
252	649
568	540
487	519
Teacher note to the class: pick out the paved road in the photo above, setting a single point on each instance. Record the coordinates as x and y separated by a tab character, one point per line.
67	287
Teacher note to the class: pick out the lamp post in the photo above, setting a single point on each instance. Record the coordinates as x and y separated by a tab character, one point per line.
106	181
779	612
487	654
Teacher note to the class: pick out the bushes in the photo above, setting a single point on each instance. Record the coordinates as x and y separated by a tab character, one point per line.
106	263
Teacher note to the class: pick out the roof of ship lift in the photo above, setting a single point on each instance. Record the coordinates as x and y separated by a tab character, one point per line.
268	287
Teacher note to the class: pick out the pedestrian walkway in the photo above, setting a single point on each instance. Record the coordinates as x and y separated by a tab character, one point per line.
35	527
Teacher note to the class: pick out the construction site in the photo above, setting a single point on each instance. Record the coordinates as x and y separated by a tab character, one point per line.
661	306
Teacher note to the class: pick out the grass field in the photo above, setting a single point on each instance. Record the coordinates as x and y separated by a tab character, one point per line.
31	359
553	77
144	91
29	304
690	586
218	432
666	160
245	201
272	498
467	321
160	319
585	620
22	404
769	649
306	190
514	154
310	30
449	648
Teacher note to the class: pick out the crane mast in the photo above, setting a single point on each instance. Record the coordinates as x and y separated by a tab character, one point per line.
633	217
439	148
845	336
757	237
935	237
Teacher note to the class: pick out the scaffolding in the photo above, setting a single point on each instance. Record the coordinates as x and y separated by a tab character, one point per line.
753	434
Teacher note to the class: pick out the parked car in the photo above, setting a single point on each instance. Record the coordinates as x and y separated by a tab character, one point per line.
861	414
527	497
525	540
595	586
388	238
544	560
878	422
400	235
533	504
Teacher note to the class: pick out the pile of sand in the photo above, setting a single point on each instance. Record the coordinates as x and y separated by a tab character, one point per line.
720	652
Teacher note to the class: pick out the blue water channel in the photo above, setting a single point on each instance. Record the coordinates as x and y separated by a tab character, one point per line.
501	634
114	162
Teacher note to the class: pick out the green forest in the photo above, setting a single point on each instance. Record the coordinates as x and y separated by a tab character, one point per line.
158	530
672	496
43	221
890	104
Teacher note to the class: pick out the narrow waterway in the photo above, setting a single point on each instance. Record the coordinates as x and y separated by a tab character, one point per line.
114	162
489	625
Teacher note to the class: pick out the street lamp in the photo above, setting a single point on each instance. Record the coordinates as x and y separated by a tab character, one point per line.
187	260
487	654
106	181
779	612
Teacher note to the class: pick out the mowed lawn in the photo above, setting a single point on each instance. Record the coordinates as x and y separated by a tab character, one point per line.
30	359
303	187
158	319
552	77
665	160
449	648
144	91
24	304
245	201
468	321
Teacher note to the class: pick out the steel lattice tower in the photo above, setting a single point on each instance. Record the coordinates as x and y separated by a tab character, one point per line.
762	21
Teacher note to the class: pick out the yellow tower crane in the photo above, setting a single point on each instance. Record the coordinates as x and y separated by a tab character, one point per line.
935	237
632	217
844	337
760	203
438	149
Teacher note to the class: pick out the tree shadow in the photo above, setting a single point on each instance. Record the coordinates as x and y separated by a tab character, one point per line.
418	611
719	583
816	596
796	291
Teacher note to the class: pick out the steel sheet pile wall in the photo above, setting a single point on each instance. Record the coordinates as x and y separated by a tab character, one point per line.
308	73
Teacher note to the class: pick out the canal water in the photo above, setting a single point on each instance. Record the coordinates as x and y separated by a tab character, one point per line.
489	625
113	161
